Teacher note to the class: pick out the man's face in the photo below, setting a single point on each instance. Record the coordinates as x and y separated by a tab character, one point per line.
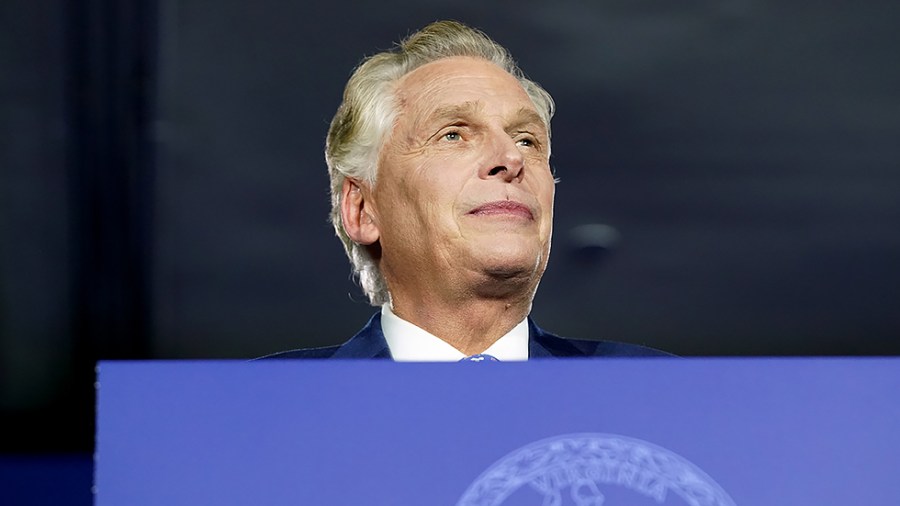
464	190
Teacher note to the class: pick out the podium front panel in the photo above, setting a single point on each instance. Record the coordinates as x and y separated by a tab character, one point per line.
584	432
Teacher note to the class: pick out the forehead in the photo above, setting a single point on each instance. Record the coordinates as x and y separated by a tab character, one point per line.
460	80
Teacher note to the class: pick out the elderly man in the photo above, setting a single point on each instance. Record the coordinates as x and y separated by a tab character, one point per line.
442	194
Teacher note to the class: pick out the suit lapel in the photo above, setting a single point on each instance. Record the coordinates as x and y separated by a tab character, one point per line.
540	343
367	343
543	344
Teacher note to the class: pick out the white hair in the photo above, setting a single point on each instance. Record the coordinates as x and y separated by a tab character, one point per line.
367	113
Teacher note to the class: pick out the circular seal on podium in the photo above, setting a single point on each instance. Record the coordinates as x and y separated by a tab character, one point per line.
594	470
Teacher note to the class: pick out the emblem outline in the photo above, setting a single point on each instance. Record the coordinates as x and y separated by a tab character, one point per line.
584	462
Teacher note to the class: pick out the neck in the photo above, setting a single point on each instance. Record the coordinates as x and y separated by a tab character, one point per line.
470	326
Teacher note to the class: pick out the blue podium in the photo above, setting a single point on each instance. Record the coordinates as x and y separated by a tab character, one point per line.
748	432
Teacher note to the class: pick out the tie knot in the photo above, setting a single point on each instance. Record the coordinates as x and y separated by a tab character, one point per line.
480	358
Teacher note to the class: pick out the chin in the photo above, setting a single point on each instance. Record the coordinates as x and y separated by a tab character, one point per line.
507	263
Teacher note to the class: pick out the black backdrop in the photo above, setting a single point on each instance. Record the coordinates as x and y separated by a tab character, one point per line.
730	175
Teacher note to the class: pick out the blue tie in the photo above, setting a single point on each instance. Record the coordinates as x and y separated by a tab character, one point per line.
480	358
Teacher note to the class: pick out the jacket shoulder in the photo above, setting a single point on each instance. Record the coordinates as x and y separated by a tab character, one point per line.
324	352
545	344
369	342
588	348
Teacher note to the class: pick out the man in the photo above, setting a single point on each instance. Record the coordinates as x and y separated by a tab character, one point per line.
442	194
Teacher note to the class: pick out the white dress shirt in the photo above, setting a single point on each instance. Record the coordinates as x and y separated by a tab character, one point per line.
409	343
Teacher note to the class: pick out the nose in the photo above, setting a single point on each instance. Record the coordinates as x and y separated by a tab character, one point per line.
505	160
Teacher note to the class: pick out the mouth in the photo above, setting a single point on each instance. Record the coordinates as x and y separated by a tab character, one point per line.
503	208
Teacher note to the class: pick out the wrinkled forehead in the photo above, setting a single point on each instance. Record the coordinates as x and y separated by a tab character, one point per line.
461	85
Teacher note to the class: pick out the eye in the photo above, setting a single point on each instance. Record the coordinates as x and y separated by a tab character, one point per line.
452	136
527	142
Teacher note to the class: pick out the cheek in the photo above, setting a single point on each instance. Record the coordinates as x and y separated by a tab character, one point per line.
546	187
422	202
445	179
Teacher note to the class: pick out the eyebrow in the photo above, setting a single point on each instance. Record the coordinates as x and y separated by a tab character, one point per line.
454	111
523	117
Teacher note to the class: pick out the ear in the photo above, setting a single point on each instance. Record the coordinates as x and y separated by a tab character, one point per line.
355	214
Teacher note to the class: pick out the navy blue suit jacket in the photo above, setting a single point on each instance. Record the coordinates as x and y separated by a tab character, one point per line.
370	343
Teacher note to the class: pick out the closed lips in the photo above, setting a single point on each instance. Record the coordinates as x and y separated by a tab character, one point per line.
503	207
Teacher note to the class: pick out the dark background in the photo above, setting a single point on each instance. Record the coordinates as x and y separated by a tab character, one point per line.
163	193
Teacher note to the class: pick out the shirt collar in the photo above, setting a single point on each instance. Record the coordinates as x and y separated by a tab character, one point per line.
409	343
